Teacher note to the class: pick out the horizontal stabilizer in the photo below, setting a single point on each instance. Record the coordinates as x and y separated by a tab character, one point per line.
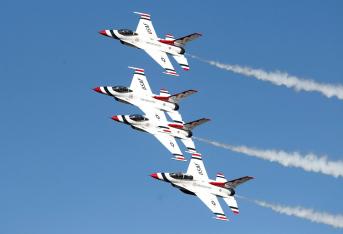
193	124
232	203
182	61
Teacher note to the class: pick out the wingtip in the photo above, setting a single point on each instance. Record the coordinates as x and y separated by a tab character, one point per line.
179	158
141	13
221	218
171	73
135	68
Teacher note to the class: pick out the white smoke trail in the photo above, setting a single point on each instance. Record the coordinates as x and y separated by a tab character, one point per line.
308	162
281	78
305	213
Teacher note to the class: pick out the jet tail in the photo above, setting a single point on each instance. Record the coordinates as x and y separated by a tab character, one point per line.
234	183
183	40
179	96
189	126
175	98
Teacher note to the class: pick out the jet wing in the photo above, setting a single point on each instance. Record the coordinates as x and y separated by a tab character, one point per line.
213	204
196	167
145	27
139	82
162	59
170	143
153	114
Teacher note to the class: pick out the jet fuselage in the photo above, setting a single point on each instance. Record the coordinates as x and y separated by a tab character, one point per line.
188	184
133	39
142	123
126	95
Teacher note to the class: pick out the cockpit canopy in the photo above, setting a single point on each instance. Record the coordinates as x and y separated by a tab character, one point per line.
121	89
127	32
181	176
138	118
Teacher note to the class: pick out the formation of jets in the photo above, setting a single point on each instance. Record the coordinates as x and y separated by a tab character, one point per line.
162	118
154	106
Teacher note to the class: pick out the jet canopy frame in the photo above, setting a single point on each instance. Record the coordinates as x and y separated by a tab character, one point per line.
138	118
127	32
121	89
181	176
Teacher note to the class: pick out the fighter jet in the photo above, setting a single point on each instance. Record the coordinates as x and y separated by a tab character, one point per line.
139	94
145	38
155	123
196	182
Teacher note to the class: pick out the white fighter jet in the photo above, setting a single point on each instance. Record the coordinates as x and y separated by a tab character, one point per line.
145	38
196	182
139	94
155	123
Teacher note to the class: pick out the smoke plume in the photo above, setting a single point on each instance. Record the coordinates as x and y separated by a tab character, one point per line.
281	78
308	162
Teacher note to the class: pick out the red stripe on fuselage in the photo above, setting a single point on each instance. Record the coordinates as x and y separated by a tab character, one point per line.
179	126
218	184
168	42
161	98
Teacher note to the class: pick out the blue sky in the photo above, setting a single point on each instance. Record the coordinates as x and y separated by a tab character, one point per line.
65	167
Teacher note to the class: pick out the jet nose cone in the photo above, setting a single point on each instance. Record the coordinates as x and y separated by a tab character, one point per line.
97	89
103	32
154	175
115	118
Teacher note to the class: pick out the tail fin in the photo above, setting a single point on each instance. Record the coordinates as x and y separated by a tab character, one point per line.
179	96
232	203
234	183
183	40
189	126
